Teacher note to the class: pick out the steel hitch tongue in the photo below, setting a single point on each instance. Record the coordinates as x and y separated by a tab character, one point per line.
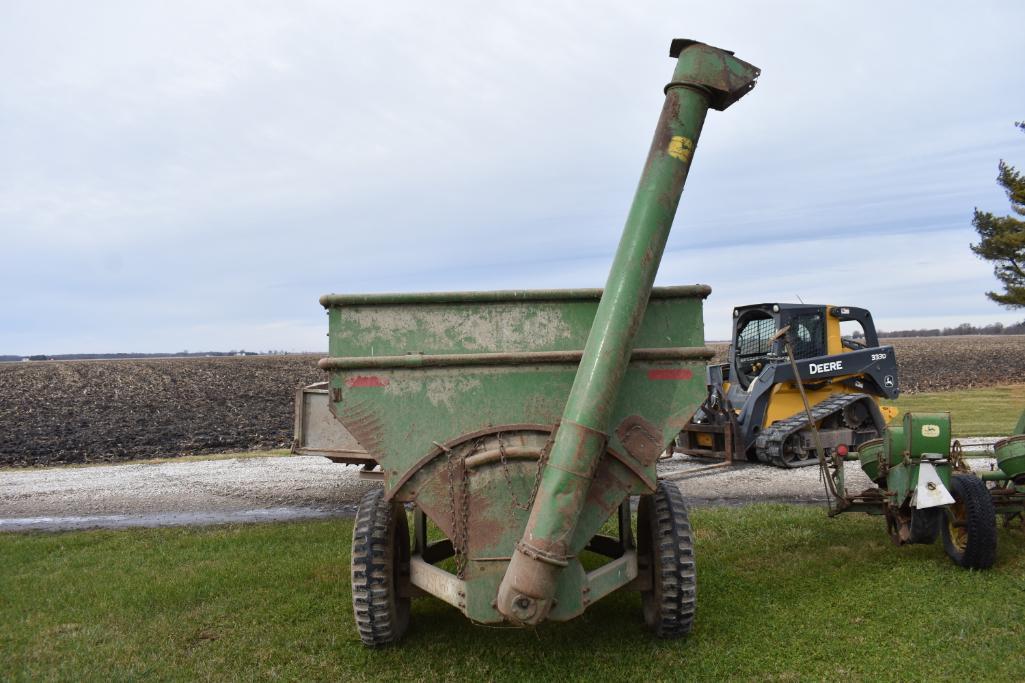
705	77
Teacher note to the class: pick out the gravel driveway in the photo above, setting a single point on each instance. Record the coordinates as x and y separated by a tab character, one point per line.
303	487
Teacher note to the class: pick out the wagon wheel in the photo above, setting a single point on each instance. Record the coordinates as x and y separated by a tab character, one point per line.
664	540
380	567
970	532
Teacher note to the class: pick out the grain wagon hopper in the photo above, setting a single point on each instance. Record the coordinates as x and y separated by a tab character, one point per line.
516	424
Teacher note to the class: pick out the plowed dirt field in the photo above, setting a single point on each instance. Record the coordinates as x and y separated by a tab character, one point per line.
97	411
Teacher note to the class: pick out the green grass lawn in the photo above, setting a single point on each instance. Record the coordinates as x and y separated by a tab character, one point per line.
784	594
992	411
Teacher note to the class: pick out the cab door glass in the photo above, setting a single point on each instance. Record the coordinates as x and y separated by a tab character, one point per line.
809	336
754	341
755	337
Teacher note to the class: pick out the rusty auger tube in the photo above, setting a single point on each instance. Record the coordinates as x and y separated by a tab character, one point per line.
705	77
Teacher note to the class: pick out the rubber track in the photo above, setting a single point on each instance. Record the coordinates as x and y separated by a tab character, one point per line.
769	444
676	570
373	599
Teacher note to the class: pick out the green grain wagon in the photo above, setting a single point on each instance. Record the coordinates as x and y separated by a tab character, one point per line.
515	424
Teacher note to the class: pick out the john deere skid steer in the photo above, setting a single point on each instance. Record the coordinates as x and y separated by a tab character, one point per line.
754	408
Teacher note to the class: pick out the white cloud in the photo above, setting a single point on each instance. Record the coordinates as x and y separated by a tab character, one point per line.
198	168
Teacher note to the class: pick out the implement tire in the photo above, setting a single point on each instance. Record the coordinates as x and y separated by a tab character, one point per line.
925	525
380	567
970	527
666	543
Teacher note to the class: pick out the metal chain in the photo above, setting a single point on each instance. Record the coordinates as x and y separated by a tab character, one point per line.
456	466
450	467
508	476
537	476
465	536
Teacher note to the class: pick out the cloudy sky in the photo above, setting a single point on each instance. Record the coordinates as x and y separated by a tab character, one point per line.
194	175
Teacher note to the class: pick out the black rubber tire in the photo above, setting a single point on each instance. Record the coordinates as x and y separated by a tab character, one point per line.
925	525
666	544
380	563
973	545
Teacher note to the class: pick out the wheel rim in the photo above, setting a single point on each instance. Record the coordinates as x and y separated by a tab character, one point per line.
956	518
400	564
651	600
646	544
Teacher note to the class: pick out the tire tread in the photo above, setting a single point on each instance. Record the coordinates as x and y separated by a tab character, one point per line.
980	518
674	570
381	615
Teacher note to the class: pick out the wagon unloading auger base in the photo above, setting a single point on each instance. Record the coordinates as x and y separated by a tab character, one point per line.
519	422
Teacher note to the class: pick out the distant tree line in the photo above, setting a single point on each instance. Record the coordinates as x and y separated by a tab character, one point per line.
960	330
108	356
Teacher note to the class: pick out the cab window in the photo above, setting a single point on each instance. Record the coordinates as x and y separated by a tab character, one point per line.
808	335
755	337
852	335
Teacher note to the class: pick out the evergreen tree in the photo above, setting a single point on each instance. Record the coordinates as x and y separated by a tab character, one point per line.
1003	238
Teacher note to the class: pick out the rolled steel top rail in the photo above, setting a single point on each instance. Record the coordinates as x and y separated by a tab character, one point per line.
500	296
420	360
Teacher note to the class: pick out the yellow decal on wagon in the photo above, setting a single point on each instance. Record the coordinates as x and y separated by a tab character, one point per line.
681	148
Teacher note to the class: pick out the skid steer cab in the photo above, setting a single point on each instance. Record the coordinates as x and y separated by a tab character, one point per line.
754	409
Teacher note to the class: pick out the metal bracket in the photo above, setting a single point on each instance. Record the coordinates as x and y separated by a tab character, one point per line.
641	439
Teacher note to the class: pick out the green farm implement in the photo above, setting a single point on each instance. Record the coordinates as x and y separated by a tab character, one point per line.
925	488
922	483
516	424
